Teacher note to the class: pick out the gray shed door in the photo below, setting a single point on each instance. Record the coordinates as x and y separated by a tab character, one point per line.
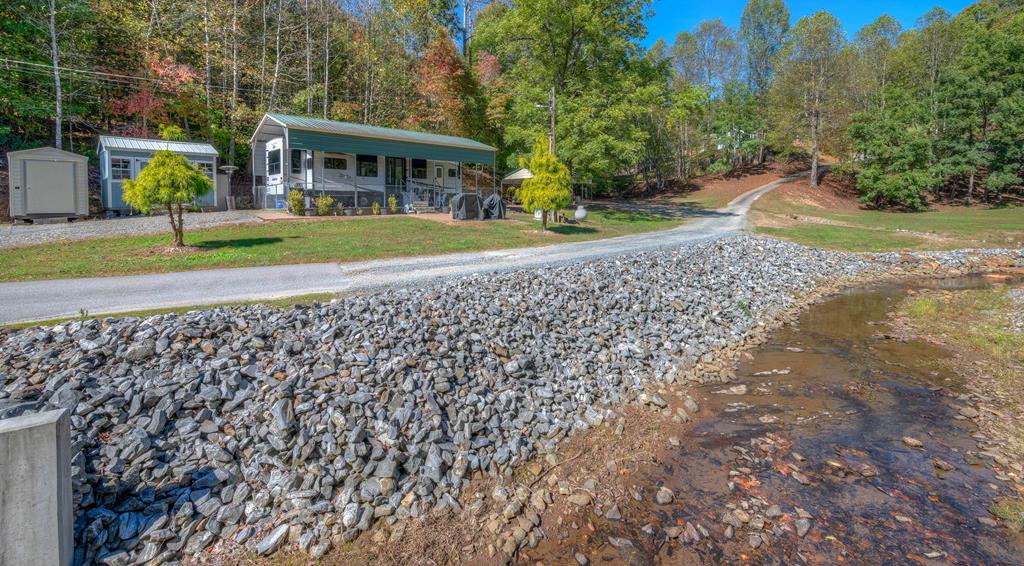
50	187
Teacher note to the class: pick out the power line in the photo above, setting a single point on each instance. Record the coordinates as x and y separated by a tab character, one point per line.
111	78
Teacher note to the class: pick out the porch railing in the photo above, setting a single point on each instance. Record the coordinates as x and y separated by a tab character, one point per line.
352	195
345	195
434	195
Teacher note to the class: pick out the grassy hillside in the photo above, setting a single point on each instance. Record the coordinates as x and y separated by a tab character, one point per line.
831	218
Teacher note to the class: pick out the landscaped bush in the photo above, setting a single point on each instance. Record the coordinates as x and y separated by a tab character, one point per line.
296	202
376	208
393	204
323	205
845	170
720	166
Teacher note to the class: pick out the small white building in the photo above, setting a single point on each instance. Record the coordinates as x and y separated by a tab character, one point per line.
123	158
357	164
47	182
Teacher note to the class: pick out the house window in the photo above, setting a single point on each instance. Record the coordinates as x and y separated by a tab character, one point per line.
419	168
120	168
452	172
366	165
205	167
296	161
335	163
274	162
438	172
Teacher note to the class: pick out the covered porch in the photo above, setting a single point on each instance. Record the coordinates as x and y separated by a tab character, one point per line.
359	165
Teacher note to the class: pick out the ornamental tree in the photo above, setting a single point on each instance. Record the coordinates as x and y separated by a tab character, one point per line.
549	188
170	182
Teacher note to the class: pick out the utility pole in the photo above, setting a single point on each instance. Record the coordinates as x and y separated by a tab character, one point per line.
551	111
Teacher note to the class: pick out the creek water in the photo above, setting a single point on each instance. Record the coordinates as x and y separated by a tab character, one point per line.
819	432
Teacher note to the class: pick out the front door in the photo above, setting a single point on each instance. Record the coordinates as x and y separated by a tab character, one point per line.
394	173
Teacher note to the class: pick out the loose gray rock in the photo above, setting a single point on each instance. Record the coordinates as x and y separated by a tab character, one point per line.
221	422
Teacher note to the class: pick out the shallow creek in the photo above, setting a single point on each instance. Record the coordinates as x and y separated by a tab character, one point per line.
819	433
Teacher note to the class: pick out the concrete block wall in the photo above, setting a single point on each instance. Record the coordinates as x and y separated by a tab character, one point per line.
36	507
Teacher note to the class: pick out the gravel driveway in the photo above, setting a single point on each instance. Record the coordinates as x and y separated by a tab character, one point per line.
43	300
24	235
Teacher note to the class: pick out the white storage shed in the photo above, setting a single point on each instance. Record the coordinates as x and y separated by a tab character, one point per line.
47	182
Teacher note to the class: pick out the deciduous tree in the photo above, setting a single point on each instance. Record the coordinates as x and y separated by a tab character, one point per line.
808	92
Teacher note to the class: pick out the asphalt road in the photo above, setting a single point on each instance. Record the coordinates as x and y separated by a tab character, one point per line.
66	298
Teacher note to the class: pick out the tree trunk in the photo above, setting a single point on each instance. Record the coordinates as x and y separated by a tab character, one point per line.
327	52
263	49
970	188
179	235
206	52
174	225
277	59
234	80
543	220
55	59
814	151
309	58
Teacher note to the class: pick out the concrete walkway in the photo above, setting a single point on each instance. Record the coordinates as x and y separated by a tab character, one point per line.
46	300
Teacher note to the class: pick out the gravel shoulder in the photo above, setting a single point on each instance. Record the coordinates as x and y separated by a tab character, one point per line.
16	235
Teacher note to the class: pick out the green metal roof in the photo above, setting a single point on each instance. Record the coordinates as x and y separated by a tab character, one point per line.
375	132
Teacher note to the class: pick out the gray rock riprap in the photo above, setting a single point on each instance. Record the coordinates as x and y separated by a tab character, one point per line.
261	425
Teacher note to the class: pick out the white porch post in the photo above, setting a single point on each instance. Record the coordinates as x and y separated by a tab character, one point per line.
252	166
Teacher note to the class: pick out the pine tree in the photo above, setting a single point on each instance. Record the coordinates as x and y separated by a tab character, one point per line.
549	189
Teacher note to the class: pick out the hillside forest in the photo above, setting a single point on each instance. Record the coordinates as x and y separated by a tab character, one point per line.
908	115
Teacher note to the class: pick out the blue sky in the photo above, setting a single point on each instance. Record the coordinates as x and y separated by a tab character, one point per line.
672	16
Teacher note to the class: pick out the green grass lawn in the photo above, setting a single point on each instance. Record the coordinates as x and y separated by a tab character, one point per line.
872	230
845	238
305	242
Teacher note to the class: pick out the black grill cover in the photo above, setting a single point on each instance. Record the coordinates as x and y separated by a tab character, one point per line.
494	207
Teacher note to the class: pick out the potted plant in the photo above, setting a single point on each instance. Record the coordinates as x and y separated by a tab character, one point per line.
393	204
375	208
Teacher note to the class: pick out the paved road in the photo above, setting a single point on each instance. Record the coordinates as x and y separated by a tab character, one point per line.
45	300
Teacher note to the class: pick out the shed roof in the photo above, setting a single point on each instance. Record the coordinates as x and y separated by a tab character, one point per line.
51	152
375	132
519	175
143	144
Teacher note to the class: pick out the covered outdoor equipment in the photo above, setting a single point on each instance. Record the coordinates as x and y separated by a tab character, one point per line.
467	206
494	207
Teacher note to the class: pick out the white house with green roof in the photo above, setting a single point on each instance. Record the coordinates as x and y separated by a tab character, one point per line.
358	164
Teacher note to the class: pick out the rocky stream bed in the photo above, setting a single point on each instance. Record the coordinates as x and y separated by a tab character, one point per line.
267	428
